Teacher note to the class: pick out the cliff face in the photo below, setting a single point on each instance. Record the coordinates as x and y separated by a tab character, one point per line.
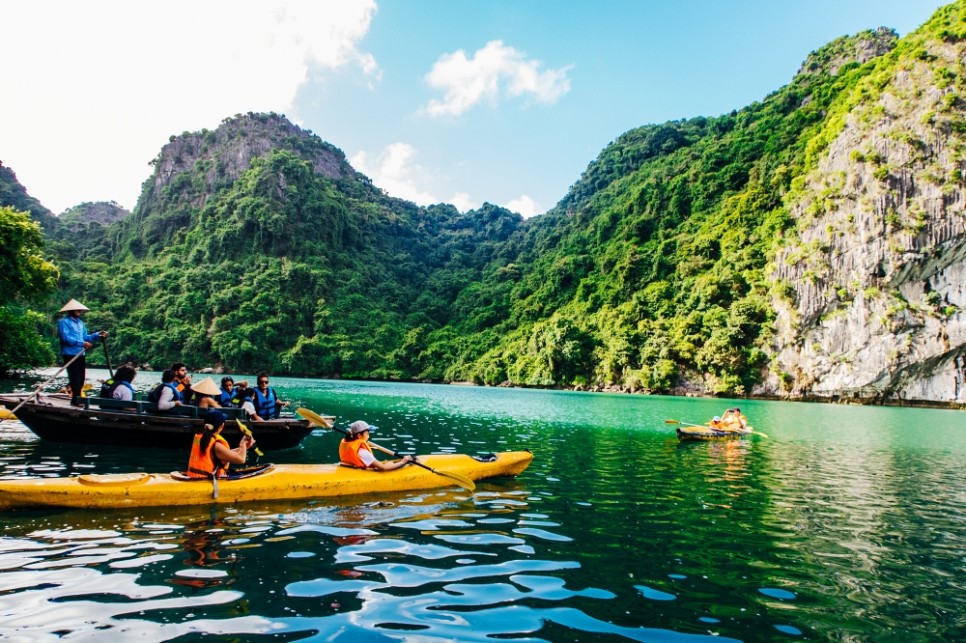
873	289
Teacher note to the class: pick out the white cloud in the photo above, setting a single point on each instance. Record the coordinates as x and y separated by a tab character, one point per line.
524	205
492	72
395	171
97	87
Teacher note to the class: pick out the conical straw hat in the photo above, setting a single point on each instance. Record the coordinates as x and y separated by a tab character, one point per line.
73	304
206	386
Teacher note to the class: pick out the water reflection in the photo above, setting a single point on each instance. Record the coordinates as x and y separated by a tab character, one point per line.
844	524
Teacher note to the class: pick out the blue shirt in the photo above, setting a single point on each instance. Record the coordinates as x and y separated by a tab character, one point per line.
73	333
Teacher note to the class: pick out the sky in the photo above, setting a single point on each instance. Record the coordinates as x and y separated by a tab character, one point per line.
437	101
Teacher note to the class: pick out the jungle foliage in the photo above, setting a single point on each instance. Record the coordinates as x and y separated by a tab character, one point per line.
651	271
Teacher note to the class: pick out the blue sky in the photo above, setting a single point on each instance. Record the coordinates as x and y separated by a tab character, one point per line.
457	101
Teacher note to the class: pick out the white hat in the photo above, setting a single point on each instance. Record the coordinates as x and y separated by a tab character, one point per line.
73	304
359	426
206	386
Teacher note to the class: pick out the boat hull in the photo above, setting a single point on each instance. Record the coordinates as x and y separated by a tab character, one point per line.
51	417
280	482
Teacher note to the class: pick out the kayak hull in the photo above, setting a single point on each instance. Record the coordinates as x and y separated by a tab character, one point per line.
279	482
705	433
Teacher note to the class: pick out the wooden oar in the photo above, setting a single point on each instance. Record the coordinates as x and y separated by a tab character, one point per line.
318	420
40	386
107	357
705	426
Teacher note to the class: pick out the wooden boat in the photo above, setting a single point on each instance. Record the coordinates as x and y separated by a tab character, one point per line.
272	482
707	432
108	421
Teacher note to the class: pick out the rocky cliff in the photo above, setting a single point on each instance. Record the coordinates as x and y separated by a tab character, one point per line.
871	294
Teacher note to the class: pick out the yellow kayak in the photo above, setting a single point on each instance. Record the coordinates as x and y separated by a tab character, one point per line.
5	413
706	432
276	482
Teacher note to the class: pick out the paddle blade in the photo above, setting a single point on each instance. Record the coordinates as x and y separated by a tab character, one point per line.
315	418
672	421
244	429
458	478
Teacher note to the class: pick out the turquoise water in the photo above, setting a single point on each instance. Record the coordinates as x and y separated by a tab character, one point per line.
844	523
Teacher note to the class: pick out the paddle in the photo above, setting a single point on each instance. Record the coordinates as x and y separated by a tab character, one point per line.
244	429
40	386
705	426
318	420
107	356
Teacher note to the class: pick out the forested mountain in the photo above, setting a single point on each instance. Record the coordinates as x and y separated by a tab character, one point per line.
808	244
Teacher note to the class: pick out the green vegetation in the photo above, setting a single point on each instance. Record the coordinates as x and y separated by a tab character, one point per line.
652	271
25	277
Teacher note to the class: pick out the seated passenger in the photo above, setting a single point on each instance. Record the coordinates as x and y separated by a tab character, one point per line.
210	452
121	389
182	381
166	394
204	392
246	401
266	401
227	391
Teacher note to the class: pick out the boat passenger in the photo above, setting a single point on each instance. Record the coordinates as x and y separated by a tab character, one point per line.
210	452
246	401
227	391
266	401
74	343
166	394
120	388
182	381
355	450
205	392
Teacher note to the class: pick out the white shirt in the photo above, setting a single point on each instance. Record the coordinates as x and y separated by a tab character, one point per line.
166	401
249	407
123	393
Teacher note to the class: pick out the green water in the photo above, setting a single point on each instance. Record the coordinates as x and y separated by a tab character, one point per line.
844	523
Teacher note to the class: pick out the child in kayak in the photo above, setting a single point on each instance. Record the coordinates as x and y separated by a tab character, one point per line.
355	450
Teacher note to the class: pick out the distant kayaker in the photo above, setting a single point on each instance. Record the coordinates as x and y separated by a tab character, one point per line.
74	342
355	450
733	417
210	452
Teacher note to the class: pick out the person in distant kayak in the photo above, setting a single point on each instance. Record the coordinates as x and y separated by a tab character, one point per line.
74	342
733	418
210	452
356	451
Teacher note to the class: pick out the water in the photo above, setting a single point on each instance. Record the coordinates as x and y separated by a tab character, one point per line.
845	523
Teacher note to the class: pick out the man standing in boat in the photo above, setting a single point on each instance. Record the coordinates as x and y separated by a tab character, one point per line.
74	342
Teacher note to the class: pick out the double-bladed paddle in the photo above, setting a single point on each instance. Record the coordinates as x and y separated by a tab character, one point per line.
319	420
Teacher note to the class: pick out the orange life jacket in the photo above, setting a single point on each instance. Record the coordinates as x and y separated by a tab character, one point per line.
349	452
202	463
